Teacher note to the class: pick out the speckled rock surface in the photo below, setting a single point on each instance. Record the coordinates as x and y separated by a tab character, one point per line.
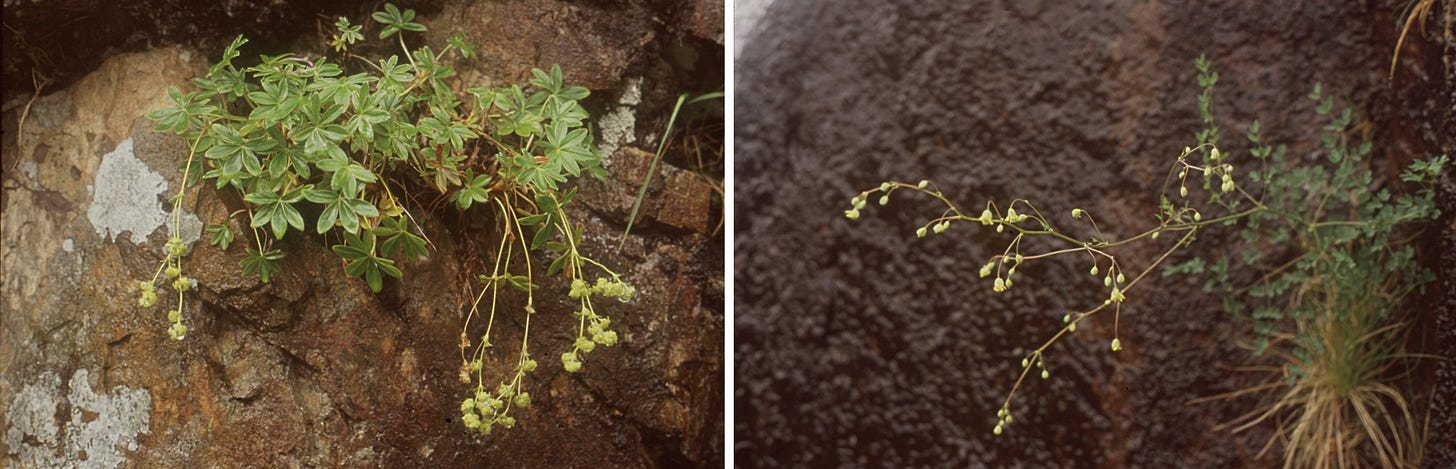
327	372
858	344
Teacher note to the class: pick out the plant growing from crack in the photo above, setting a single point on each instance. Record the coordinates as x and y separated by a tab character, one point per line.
1325	309
342	132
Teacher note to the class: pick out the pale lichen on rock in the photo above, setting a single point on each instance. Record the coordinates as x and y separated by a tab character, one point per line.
100	425
125	197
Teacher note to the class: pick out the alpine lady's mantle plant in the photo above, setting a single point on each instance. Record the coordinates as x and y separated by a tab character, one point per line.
1331	231
341	132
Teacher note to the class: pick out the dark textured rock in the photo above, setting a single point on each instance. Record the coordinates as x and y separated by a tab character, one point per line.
858	344
312	369
57	42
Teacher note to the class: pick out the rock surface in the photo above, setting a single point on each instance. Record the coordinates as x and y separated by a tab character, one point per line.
331	374
858	344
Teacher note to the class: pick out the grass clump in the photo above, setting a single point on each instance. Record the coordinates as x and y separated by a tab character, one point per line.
346	136
1325	241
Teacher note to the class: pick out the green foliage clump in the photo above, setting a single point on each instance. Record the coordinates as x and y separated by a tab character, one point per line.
1342	269
344	137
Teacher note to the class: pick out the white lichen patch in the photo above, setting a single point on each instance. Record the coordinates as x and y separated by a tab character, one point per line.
618	126
100	425
125	196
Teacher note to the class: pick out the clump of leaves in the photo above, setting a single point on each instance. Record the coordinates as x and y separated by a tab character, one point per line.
1330	305
342	132
1335	272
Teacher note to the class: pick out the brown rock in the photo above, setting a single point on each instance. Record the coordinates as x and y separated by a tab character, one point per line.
312	369
676	198
593	43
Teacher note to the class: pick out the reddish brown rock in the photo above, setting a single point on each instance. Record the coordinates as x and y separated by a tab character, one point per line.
312	369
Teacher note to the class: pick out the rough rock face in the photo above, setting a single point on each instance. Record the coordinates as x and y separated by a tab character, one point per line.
858	344
312	369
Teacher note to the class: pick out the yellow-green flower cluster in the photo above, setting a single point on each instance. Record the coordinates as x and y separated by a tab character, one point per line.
171	267
483	410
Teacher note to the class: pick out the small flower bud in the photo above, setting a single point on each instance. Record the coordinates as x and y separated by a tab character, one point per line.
1120	278
885	199
1183	191
1116	345
851	214
884	186
1072	327
998	429
1197	216
1094	270
1000	228
920	233
1045	374
922	184
1066	318
1076	213
941	227
570	362
1024	363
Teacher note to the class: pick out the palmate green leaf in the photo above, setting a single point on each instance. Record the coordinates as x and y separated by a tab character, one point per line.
397	237
473	192
359	252
348	34
549	81
277	211
466	49
396	20
222	236
264	264
345	211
